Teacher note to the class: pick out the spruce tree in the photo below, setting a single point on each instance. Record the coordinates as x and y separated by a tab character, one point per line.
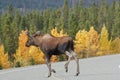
46	15
65	15
115	27
52	21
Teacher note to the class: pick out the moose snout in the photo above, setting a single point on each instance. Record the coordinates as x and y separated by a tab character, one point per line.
27	45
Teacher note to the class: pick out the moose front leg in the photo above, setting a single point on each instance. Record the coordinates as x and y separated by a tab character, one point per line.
49	66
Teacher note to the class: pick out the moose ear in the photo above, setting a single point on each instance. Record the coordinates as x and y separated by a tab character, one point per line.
36	34
28	34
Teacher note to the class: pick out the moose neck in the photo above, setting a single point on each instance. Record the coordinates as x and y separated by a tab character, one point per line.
37	41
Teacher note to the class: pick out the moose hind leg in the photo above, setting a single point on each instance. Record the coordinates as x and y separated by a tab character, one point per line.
69	58
50	70
49	67
77	62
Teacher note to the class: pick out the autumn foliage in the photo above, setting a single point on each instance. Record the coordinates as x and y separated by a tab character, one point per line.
81	41
90	43
87	44
115	46
4	61
57	33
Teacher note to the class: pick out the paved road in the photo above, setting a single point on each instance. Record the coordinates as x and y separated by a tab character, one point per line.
98	68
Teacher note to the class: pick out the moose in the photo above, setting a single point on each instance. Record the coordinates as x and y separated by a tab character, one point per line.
51	45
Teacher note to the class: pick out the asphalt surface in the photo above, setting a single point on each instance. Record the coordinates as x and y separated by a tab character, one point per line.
98	68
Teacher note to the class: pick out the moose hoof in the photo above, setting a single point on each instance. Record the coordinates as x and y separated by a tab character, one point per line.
53	71
49	75
77	73
66	70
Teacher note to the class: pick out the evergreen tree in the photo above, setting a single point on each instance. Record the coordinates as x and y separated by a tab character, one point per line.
93	13
6	31
38	20
100	16
65	15
46	20
73	25
0	31
9	31
110	19
17	21
52	21
83	22
32	22
23	23
14	35
58	18
115	27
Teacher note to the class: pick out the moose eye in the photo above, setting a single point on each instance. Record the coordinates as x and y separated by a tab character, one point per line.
31	40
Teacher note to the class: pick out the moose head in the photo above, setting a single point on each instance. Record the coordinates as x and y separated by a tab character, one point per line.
31	39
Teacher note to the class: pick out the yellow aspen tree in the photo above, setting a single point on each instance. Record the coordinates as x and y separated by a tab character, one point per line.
21	56
21	42
81	42
4	61
104	42
115	46
20	59
62	33
92	42
36	54
56	33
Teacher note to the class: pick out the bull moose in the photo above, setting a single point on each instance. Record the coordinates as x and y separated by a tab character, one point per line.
51	45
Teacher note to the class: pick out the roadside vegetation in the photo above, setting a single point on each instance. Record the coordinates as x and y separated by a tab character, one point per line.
95	31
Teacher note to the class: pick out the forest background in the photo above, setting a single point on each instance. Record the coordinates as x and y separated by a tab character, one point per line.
94	28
